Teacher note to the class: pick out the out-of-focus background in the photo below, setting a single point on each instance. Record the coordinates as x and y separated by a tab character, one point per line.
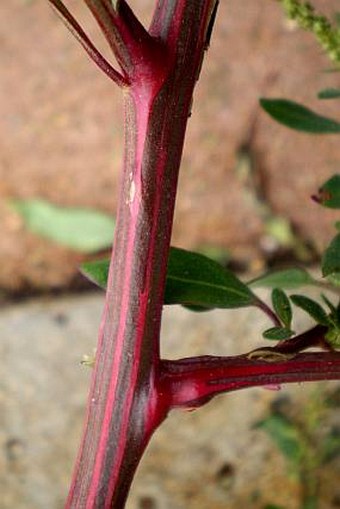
244	191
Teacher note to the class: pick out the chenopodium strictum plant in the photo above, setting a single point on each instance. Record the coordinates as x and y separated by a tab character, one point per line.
133	388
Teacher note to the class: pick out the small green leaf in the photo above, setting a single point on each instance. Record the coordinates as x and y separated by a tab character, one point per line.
286	437
81	229
192	280
311	307
330	263
299	117
97	271
278	333
286	278
282	307
329	93
337	225
329	193
334	279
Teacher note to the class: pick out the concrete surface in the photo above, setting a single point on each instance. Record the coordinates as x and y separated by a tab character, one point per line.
212	458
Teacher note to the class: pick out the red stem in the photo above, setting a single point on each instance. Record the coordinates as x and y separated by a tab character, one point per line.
123	406
192	382
87	44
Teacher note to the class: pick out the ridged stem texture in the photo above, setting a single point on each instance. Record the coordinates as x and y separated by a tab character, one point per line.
124	407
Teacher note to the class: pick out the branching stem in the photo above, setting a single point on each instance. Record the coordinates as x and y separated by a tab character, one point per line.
124	405
87	44
132	389
192	382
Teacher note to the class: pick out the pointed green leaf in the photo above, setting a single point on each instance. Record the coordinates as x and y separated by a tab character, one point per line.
286	278
299	117
278	333
311	307
282	306
329	93
81	229
337	225
192	280
331	258
329	193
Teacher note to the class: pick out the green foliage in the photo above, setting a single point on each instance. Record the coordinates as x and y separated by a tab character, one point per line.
299	439
331	446
329	93
192	280
333	336
329	193
311	307
329	196
286	278
333	310
84	230
283	310
306	17
286	436
97	271
331	258
282	307
310	503
298	117
278	333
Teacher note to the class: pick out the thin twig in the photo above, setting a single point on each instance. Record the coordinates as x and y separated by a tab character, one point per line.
269	312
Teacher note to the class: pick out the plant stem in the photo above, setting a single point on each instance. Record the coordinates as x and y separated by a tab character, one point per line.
191	382
269	312
132	389
87	44
123	406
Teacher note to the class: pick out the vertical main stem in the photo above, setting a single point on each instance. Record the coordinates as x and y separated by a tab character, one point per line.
124	407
